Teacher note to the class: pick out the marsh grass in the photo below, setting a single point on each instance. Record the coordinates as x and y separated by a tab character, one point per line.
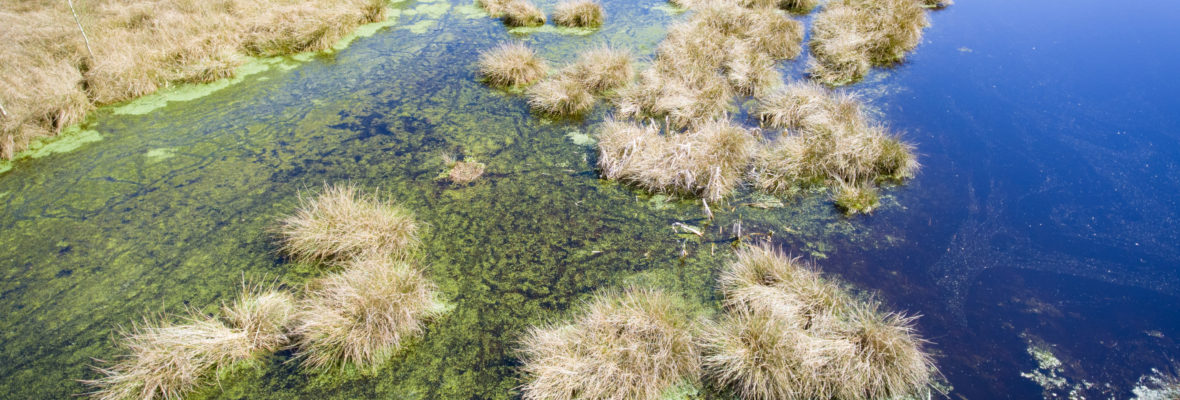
707	162
561	95
827	140
603	69
169	360
48	79
512	64
791	334
579	13
633	344
518	13
850	36
362	315
341	223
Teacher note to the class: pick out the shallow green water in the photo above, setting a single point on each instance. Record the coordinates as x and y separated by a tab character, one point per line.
172	208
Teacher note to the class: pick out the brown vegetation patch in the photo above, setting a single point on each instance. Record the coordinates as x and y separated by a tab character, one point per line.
850	36
579	13
341	223
630	345
49	80
512	64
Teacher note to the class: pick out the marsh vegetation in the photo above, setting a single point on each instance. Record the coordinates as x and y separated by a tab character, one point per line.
851	36
51	76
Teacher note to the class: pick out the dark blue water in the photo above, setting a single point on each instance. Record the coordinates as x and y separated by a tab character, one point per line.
1047	207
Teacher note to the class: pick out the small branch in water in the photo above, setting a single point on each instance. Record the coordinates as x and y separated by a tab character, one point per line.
708	212
79	22
690	229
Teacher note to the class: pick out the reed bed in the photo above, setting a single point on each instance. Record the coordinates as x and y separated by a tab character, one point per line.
50	77
850	36
514	13
790	334
633	344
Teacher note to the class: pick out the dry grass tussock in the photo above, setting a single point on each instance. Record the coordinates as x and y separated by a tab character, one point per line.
850	36
561	95
633	344
512	64
362	315
790	334
826	140
170	360
579	13
515	12
48	79
342	223
571	92
707	162
721	51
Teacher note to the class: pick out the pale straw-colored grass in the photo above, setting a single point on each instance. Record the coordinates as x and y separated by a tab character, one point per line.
341	222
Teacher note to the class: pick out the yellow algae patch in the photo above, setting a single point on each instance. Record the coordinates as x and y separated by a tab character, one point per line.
68	141
159	154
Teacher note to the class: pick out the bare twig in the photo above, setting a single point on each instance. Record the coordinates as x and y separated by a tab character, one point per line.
688	228
79	22
707	210
3	112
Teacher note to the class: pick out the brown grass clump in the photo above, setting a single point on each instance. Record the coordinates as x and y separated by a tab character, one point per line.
512	64
937	3
579	13
707	162
856	198
790	334
168	361
723	50
850	36
342	223
463	172
362	315
827	139
603	69
563	95
522	13
49	80
635	344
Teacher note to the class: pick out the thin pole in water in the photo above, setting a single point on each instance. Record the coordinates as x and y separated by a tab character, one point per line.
72	11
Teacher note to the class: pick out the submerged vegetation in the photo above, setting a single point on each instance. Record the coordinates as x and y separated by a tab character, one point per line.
512	65
463	172
850	36
633	344
789	333
51	76
169	360
341	223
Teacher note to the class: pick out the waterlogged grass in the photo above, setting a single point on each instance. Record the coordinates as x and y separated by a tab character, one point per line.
173	208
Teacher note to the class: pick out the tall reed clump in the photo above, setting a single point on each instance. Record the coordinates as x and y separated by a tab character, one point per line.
579	13
512	65
363	314
572	91
634	344
707	162
49	80
789	333
850	36
519	13
169	360
341	223
826	139
722	51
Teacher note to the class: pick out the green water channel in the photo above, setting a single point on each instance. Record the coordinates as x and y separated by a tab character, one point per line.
168	203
